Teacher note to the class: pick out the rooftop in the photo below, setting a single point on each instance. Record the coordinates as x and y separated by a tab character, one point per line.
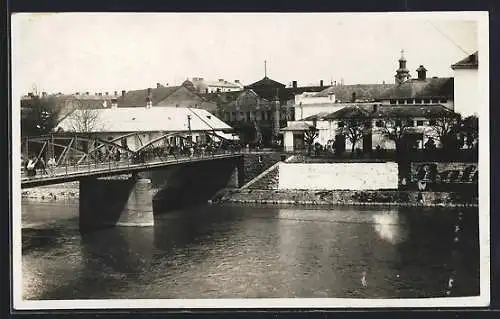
417	88
390	111
141	119
470	62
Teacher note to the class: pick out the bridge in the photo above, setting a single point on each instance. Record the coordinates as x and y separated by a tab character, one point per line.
77	156
113	178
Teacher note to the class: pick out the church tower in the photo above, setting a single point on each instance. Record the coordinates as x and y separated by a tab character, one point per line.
402	74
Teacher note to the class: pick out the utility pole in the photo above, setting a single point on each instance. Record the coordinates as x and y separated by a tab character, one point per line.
189	129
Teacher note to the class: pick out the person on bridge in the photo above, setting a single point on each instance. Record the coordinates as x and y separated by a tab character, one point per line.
30	167
43	167
51	163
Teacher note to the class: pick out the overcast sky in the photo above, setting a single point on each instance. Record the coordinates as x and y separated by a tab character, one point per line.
70	52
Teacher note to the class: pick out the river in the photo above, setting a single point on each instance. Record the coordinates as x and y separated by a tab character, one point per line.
235	251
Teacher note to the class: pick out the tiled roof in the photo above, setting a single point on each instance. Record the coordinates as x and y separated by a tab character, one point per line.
364	92
470	62
390	111
154	119
414	88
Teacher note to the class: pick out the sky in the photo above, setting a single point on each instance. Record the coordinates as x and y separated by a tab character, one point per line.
107	52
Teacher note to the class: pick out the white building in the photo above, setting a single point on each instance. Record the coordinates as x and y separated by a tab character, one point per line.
466	94
150	122
205	86
311	103
419	121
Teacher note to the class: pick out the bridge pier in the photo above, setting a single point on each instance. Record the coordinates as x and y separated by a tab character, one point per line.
124	200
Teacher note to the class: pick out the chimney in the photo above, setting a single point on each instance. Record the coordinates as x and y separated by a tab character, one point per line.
335	83
236	81
321	84
149	99
100	93
116	93
114	103
44	94
123	93
87	93
107	93
421	73
353	99
294	84
158	85
77	93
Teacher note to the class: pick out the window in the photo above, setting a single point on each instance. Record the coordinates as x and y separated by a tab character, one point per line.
432	122
341	124
420	123
443	100
427	101
401	101
409	101
418	101
233	116
379	123
393	101
410	123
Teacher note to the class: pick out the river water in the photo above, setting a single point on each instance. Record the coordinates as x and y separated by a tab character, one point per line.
250	251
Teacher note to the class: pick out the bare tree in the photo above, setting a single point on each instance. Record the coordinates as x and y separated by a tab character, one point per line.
309	136
83	120
396	129
354	130
446	129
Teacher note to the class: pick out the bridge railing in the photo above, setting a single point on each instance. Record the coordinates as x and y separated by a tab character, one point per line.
42	171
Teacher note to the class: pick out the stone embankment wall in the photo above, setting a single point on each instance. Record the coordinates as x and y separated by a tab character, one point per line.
347	197
256	163
352	176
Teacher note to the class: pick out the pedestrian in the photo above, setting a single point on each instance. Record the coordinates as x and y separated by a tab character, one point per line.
43	166
30	168
52	165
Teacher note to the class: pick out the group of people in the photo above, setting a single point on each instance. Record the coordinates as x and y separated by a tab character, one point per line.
32	164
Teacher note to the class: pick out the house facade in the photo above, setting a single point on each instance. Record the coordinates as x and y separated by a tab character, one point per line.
466	94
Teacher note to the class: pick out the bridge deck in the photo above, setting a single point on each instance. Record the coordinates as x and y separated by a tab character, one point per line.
66	174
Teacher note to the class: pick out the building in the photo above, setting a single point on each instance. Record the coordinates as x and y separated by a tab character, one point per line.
264	106
183	95
206	86
417	121
151	122
466	93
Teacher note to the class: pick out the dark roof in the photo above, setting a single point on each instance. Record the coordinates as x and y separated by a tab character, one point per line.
415	88
390	111
297	126
470	62
318	116
366	92
138	97
265	82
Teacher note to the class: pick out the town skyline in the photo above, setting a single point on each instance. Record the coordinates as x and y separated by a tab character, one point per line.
228	46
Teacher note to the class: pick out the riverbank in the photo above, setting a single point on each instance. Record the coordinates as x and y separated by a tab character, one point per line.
53	192
346	197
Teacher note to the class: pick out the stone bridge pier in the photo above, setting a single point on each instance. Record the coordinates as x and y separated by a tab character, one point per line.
133	199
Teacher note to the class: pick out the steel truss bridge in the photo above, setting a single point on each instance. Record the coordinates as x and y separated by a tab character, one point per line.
65	157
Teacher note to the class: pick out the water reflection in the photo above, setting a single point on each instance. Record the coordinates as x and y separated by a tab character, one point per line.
246	252
389	226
